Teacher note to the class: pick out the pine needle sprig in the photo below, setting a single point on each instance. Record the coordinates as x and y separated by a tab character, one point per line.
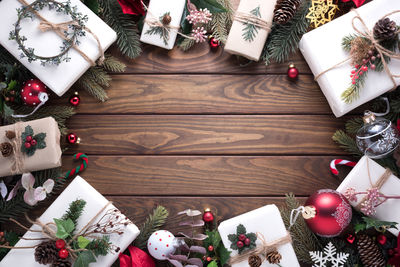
186	44
127	33
163	32
92	87
221	22
346	142
250	30
112	64
353	125
100	246
153	223
99	75
74	211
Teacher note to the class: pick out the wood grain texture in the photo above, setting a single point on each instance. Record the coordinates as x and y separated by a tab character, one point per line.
209	175
191	134
208	94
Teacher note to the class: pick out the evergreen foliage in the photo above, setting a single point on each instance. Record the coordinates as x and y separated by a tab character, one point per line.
74	211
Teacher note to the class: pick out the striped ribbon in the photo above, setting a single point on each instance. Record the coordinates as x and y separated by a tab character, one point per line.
336	162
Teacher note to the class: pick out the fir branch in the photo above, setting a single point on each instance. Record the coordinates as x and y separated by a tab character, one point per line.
250	30
186	44
100	76
353	125
112	64
221	22
88	83
346	142
127	33
346	42
100	246
74	211
152	224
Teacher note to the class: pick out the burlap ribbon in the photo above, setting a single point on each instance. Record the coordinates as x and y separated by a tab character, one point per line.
18	158
263	249
369	34
60	28
251	19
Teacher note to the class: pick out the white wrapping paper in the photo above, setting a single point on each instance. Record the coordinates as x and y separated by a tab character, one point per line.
322	49
266	220
78	189
158	8
358	179
58	78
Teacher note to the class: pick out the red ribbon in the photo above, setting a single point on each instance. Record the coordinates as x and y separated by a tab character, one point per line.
357	2
133	7
138	258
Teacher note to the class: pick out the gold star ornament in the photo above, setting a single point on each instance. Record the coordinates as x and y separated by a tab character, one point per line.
321	12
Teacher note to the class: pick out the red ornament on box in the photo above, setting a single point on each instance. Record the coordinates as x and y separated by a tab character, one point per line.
75	100
328	213
34	92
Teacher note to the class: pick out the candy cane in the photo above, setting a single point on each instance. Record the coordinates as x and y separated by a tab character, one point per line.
336	162
79	168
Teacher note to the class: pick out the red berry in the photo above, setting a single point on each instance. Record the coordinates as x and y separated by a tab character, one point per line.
239	244
33	142
1	234
63	253
353	82
210	248
242	237
60	243
360	72
27	145
373	67
28	138
373	58
382	239
357	77
247	241
209	259
353	71
357	66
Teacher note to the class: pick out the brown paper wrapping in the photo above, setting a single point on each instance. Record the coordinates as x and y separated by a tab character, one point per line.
235	43
49	157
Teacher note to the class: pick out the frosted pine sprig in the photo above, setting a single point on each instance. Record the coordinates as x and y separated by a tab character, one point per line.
201	16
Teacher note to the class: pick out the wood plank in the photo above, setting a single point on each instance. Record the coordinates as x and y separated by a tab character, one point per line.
211	94
208	175
191	134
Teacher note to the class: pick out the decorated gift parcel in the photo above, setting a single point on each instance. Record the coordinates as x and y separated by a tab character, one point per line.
81	228
56	41
354	58
29	146
258	238
373	190
251	25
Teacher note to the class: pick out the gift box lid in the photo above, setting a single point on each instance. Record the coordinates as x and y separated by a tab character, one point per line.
78	189
266	220
58	78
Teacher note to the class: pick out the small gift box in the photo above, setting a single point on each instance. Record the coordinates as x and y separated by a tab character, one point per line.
370	177
96	210
162	21
258	230
322	49
250	28
43	41
29	146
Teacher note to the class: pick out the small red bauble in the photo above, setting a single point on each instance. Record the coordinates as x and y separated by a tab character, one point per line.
60	243
33	142
210	248
34	92
75	100
208	216
239	244
292	72
28	138
381	239
214	43
63	253
27	145
73	139
330	213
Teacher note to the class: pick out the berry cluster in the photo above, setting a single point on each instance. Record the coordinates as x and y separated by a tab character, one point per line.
30	142
63	252
361	69
243	241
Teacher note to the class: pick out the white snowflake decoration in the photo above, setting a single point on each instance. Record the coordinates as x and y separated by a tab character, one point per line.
329	254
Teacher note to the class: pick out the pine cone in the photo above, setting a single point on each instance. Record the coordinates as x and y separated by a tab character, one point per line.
61	263
370	254
285	10
10	135
46	252
274	257
385	29
255	261
6	149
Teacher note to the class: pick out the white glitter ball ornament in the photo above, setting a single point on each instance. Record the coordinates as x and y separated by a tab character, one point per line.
161	244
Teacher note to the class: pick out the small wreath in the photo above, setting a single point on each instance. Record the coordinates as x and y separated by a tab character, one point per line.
76	30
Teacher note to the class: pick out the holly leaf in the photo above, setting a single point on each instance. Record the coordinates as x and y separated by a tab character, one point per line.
83	242
359	227
212	5
64	228
93	5
223	254
28	132
214	238
232	238
240	229
40	137
213	264
252	237
84	259
370	222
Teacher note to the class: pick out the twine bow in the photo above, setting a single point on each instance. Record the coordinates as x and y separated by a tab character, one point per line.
17	157
60	28
251	19
263	249
382	51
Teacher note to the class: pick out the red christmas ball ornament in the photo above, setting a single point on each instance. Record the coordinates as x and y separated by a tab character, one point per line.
60	243
214	43
293	72
63	253
208	216
34	92
210	248
327	213
209	259
73	139
75	100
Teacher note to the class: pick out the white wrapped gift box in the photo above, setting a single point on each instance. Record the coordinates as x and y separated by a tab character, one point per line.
78	189
358	179
58	78
266	220
322	50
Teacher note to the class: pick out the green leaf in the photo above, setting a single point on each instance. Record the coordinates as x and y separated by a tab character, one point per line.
252	237
240	229
186	27
213	264
232	238
223	254
28	132
40	137
83	242
11	85
84	259
64	228
212	5
93	5
359	227
370	222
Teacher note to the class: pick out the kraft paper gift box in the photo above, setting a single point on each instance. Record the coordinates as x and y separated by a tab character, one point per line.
78	189
322	50
266	220
236	44
49	157
157	9
358	179
59	78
